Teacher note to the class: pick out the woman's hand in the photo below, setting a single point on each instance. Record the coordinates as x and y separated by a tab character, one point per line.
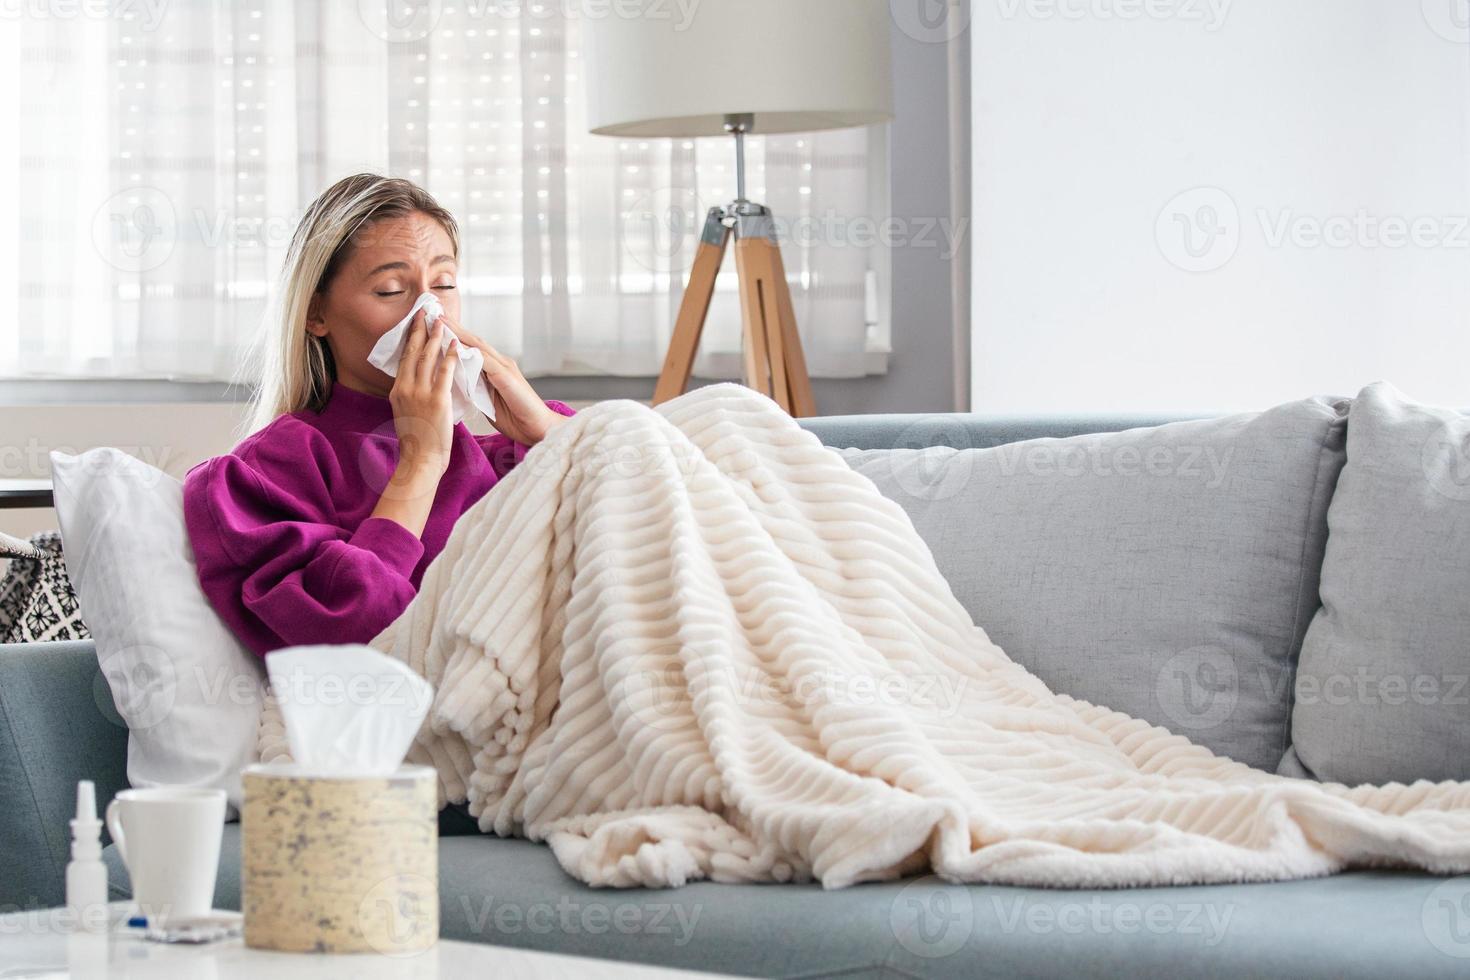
520	413
422	401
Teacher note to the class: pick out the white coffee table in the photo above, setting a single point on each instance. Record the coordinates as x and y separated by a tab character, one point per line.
38	944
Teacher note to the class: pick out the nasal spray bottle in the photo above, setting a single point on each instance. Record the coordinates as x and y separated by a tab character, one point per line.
86	875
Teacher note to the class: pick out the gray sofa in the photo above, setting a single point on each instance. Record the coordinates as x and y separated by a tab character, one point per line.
1109	571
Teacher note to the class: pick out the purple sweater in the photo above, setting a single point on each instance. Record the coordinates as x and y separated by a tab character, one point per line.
284	546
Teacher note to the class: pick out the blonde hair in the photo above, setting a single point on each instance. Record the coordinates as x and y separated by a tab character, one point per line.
293	369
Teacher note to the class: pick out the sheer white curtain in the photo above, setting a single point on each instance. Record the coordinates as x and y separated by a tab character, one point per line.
164	152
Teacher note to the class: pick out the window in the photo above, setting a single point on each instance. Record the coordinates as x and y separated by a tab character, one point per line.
167	152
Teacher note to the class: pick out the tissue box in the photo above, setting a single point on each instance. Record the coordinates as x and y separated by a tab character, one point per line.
339	865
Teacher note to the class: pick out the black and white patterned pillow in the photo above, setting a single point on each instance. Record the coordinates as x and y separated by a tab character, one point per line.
37	601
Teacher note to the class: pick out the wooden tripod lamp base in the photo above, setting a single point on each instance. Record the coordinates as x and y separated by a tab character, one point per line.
773	361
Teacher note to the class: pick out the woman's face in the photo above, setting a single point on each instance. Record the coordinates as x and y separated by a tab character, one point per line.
392	261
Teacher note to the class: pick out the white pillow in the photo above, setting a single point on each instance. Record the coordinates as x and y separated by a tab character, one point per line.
188	691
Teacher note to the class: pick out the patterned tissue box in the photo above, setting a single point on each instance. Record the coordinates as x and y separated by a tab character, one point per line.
340	865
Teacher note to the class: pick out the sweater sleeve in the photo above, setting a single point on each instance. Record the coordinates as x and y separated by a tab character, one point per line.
279	570
504	452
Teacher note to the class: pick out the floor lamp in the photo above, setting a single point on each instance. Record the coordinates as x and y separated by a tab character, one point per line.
739	67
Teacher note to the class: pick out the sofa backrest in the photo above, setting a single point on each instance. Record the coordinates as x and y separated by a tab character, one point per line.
961	430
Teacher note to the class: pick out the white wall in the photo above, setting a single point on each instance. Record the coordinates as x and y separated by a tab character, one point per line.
1326	138
171	437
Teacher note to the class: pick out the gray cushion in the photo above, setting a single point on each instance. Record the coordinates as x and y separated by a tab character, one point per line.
1167	572
1383	691
1364	924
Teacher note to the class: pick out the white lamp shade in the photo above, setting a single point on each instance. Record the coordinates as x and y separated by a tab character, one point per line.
796	65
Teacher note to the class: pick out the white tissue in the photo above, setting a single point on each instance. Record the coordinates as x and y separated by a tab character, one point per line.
349	710
471	390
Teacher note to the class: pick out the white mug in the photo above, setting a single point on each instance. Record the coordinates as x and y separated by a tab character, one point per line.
169	839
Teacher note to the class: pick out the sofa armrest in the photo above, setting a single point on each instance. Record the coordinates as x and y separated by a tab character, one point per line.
58	725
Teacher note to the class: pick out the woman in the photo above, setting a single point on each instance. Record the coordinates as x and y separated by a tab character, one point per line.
317	528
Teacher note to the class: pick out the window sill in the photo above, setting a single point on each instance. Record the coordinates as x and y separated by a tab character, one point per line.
127	391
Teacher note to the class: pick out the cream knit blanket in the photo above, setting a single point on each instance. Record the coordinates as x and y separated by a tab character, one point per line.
690	642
